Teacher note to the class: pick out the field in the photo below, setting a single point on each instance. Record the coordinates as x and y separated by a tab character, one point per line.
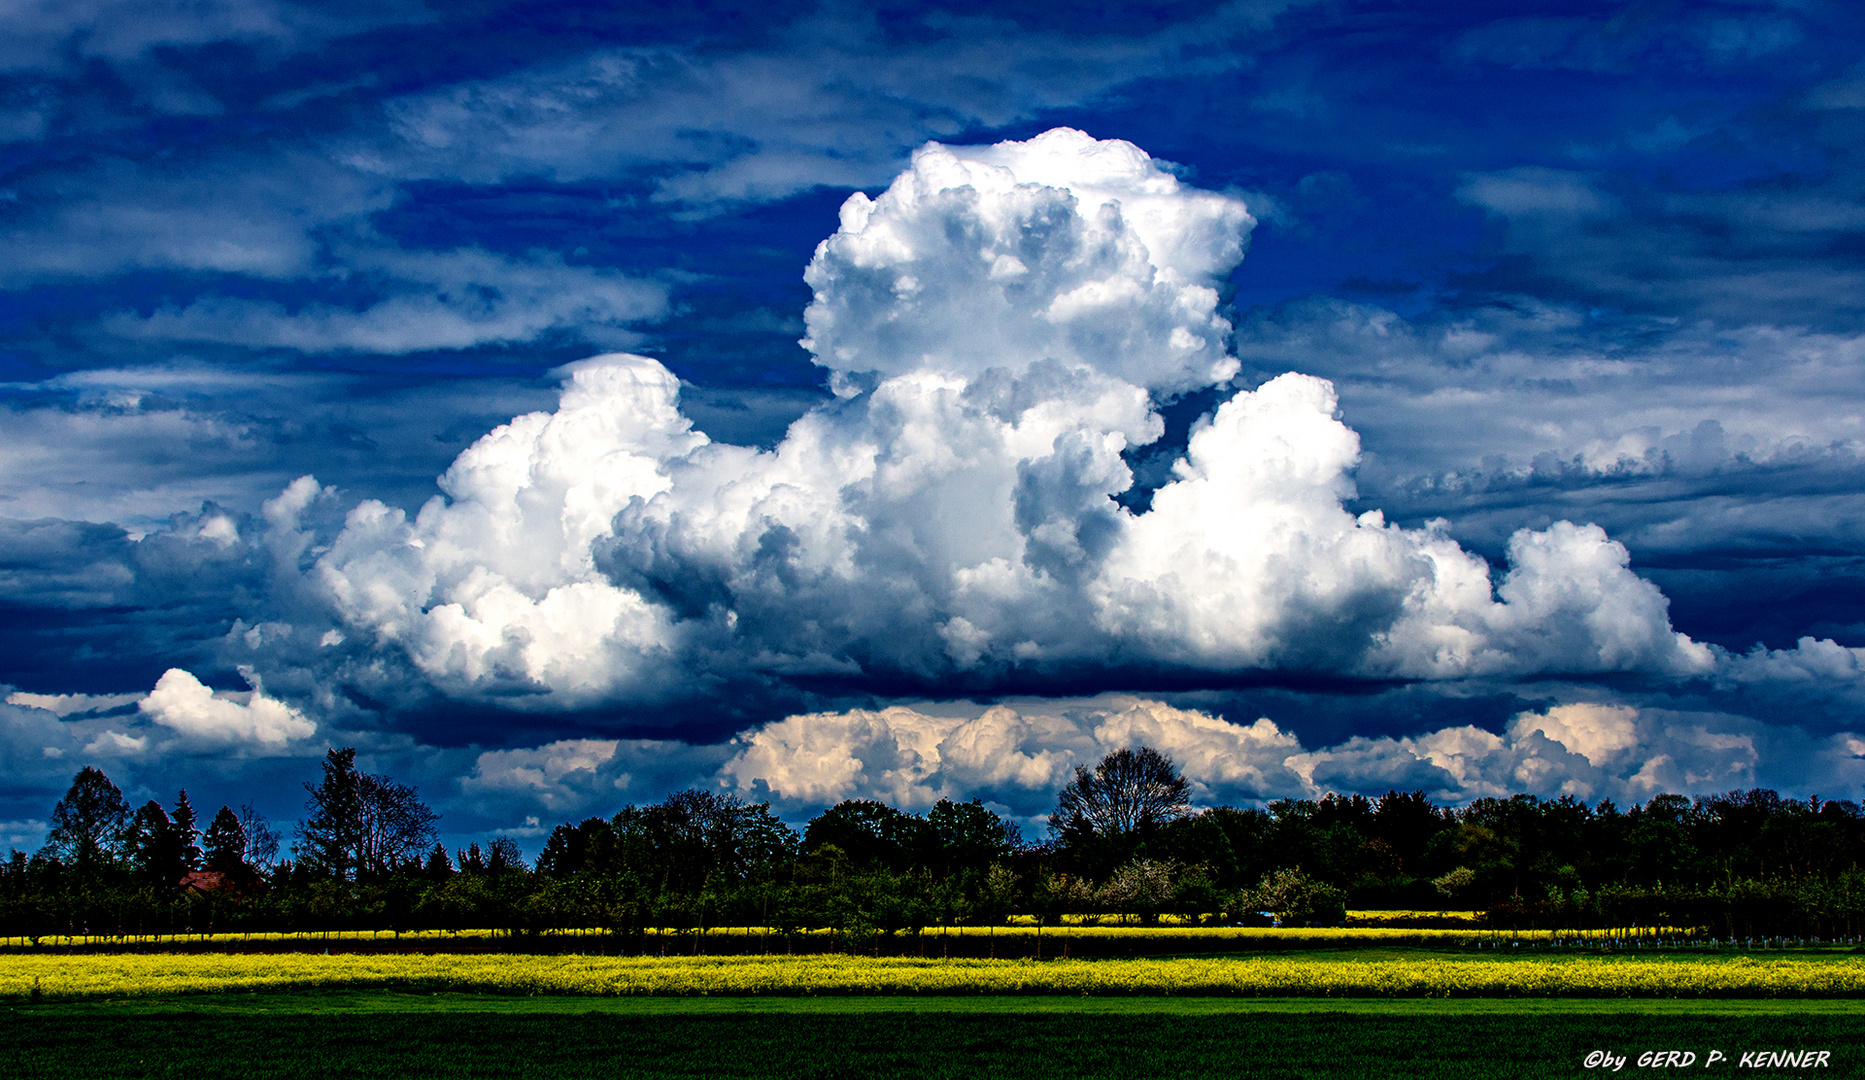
1330	1010
1353	973
391	1035
1019	938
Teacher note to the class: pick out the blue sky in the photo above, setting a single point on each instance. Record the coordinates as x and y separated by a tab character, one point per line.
1563	495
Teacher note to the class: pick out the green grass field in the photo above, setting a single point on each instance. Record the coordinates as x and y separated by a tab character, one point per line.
204	1015
379	1034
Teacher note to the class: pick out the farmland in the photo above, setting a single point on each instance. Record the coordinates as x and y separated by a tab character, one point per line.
338	1034
1348	1005
1375	973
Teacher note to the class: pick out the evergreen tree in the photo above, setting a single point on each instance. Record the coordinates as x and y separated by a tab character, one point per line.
226	843
152	846
359	825
333	832
187	835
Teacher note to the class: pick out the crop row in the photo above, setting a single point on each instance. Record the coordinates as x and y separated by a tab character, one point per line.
1017	930
122	975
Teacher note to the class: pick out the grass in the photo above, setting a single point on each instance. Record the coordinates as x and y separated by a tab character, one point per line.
366	1020
268	1036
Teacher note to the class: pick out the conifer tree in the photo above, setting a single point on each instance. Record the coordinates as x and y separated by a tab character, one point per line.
226	843
187	835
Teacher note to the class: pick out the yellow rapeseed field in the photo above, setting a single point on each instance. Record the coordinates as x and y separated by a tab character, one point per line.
118	975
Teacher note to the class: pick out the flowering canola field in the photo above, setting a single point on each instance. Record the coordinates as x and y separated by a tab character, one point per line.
123	975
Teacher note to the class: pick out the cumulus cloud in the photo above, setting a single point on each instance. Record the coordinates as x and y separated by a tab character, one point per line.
999	322
183	704
1015	756
1586	750
1019	756
1061	248
496	582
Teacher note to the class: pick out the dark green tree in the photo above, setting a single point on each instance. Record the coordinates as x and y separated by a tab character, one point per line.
872	832
225	843
970	836
88	823
187	834
361	826
153	846
331	834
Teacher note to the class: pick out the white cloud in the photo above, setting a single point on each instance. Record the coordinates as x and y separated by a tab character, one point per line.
497	581
1586	750
953	513
1061	248
1810	660
1019	755
1598	733
1015	756
111	743
181	703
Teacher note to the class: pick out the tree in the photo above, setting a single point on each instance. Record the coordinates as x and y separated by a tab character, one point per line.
332	834
226	843
970	836
504	856
567	851
1297	899
88	823
1143	887
396	825
153	846
1129	791
262	840
869	831
187	850
360	825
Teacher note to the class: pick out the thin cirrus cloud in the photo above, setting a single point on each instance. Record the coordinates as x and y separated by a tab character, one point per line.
831	102
429	301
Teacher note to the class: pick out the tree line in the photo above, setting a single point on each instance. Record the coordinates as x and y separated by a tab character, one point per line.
1122	840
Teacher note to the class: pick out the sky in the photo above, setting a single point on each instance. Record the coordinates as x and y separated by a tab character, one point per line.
566	404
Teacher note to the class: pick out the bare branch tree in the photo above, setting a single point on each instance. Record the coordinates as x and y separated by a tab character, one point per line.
1130	790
